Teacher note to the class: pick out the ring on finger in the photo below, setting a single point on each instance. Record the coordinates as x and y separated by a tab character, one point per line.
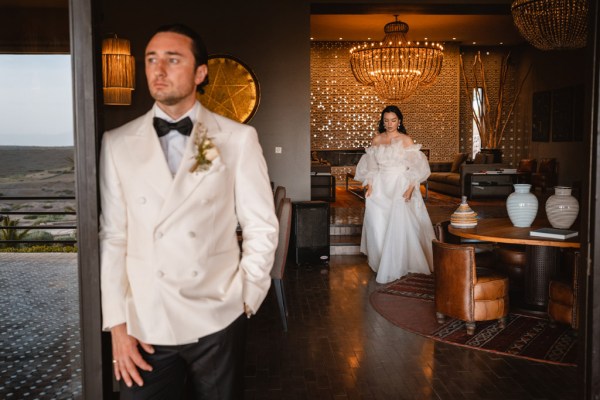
114	361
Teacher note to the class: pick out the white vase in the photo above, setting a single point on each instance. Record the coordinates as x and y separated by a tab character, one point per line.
562	208
522	205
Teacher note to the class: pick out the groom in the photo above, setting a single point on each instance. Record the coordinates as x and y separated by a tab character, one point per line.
176	291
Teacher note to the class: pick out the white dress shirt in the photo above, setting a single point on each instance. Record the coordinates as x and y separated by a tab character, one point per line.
173	143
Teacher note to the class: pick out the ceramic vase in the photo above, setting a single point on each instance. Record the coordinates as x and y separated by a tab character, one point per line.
464	216
562	208
522	205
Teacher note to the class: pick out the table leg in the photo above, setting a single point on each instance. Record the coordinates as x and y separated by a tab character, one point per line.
542	266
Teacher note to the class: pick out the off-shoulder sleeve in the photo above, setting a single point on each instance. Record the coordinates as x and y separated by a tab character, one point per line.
366	168
418	165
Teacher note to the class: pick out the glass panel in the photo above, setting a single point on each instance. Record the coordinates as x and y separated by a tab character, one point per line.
40	346
478	110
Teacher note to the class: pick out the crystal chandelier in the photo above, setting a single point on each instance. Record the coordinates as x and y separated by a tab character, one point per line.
396	67
552	24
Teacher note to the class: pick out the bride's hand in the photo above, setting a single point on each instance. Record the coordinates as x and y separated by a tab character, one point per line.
408	194
368	190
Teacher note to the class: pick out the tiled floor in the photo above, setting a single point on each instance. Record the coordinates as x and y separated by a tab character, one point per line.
40	354
337	346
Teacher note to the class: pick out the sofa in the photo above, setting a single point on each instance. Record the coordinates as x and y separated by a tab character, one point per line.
450	177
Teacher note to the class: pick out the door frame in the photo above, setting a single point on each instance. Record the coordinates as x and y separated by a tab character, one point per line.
85	116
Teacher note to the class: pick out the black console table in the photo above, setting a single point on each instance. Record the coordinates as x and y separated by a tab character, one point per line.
482	184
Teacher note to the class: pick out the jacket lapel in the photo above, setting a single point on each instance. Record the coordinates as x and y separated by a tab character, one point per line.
144	145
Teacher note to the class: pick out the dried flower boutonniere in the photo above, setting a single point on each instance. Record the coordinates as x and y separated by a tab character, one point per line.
206	151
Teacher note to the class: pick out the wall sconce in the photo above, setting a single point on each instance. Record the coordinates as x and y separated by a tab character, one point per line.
118	71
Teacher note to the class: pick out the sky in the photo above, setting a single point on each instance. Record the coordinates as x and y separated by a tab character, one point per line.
36	100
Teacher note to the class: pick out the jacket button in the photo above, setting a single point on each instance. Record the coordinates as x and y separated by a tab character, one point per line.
160	274
192	234
159	235
194	273
204	201
142	200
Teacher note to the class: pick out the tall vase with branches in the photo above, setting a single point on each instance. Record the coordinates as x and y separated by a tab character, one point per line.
491	120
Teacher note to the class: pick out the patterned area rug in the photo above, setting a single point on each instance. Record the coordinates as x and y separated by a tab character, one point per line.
408	303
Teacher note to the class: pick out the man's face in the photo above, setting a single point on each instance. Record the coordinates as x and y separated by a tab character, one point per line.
170	71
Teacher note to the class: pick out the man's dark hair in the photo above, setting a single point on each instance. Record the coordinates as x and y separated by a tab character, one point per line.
198	46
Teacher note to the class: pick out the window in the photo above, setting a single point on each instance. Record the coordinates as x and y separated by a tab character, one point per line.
36	104
478	109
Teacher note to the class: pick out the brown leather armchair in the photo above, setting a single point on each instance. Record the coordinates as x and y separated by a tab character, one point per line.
546	176
563	293
462	291
484	251
526	167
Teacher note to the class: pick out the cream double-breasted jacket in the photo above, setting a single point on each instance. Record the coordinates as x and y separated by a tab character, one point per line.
171	266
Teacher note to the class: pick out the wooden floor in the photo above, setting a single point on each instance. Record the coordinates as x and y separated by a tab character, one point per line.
339	347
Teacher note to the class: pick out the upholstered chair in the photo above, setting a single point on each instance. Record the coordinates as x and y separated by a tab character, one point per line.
526	167
462	291
484	251
563	293
285	224
546	176
279	195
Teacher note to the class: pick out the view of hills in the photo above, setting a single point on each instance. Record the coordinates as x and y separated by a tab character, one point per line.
37	172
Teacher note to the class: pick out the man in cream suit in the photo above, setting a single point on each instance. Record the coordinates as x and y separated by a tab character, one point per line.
176	291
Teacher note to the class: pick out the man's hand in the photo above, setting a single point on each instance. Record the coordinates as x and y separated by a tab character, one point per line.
126	356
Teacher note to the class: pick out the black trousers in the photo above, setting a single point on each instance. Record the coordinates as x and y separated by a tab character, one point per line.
210	369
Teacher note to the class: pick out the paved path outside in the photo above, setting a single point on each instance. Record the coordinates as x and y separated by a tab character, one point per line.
40	349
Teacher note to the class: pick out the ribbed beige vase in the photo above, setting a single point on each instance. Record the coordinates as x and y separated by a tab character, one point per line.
562	208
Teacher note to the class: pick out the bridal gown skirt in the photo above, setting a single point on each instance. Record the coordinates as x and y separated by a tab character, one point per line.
397	234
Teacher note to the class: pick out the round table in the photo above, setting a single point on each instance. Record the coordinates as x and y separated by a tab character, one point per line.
542	253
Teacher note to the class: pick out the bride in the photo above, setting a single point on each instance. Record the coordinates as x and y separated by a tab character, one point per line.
397	231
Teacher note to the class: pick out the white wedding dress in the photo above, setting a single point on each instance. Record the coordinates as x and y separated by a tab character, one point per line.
397	234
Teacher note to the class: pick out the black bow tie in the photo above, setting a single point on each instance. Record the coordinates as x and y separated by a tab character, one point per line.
163	127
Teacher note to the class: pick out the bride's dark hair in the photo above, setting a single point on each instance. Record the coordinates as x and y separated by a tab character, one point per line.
395	110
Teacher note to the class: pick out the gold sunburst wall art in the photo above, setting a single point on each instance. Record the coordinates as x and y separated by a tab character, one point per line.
233	90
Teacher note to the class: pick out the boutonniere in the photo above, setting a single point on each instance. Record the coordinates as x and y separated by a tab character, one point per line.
206	151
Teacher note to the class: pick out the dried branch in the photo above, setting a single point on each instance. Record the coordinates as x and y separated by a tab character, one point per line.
476	118
490	131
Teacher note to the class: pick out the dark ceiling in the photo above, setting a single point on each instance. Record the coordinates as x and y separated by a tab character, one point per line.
466	24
